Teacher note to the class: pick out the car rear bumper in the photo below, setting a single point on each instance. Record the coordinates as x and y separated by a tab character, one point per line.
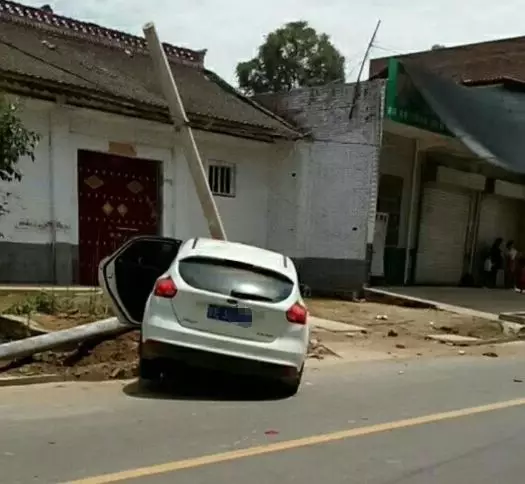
167	352
171	340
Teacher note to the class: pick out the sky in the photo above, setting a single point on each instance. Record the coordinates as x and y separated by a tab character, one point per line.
232	30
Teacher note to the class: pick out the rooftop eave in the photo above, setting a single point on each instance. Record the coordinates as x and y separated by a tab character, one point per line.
74	96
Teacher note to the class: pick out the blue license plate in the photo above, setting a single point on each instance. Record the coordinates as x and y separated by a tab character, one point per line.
239	316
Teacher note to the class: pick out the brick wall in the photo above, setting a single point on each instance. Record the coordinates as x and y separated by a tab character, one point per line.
322	206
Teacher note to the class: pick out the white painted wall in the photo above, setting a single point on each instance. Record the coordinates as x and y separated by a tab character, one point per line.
397	159
337	200
65	130
284	204
245	216
28	202
329	207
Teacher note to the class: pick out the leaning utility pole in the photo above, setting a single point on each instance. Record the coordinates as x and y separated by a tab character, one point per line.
181	123
361	68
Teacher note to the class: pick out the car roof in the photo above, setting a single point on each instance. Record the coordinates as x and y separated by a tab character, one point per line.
235	251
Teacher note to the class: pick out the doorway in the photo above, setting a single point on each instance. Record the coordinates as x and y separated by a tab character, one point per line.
118	198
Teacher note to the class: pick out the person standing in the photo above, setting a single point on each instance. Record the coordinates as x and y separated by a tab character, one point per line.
511	259
495	262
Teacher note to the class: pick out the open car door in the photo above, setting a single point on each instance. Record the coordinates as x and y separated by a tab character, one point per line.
128	275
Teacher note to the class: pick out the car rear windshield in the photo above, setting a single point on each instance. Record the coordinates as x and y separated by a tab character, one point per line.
235	279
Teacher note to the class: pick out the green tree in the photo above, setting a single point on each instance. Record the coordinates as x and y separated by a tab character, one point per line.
15	141
292	56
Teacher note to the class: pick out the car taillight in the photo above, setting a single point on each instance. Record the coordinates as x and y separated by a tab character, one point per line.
165	288
297	314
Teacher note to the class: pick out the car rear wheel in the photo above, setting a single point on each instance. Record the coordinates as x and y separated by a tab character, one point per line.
288	387
150	370
150	374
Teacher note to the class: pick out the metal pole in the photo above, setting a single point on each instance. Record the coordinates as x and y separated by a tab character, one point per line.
362	66
180	121
412	210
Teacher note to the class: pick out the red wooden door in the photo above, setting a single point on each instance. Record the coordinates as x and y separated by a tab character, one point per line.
117	199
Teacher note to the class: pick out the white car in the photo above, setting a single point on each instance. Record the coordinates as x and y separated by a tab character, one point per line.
211	303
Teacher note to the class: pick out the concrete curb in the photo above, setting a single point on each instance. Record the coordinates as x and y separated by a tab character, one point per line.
513	317
19	327
399	299
16	381
513	324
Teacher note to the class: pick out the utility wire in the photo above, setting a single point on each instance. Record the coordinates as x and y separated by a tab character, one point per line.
51	64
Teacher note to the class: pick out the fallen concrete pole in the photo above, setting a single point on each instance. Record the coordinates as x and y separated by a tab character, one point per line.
46	342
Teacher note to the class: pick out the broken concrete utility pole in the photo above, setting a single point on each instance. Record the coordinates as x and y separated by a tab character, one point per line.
45	342
181	124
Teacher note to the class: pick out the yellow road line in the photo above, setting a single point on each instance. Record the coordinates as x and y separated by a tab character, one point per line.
294	444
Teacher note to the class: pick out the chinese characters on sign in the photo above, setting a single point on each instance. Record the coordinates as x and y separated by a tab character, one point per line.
404	104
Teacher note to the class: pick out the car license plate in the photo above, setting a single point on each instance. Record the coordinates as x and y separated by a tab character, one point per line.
239	316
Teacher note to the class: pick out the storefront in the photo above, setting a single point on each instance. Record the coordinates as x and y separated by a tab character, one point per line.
458	193
442	234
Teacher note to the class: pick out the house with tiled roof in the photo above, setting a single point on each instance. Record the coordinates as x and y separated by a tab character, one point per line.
451	171
109	164
467	63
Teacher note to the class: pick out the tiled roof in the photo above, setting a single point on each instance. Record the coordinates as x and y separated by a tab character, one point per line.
45	47
472	62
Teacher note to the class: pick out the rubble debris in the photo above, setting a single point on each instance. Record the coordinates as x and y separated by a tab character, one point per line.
452	339
319	351
113	358
110	359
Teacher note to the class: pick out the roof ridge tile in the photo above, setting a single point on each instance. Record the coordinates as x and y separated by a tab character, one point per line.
91	32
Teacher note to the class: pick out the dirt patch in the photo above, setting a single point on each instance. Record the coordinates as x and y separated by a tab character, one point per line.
399	331
382	318
97	360
115	358
56	310
390	332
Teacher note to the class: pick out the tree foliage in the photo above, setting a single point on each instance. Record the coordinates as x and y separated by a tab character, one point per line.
292	56
15	141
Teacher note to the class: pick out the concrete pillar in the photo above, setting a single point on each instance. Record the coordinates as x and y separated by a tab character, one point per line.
415	190
63	197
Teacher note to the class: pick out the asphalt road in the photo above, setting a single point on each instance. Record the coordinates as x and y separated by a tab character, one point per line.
440	421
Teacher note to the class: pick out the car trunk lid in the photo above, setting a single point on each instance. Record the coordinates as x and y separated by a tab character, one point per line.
231	298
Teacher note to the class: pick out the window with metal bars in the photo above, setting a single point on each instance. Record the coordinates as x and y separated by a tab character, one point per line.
221	178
